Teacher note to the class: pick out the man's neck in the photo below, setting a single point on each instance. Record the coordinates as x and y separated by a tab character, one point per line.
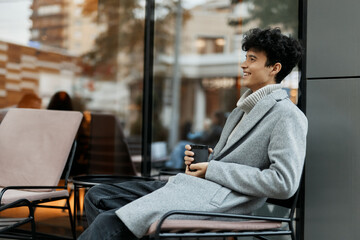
249	99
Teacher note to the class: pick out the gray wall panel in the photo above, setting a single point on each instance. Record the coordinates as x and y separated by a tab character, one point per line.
333	38
332	194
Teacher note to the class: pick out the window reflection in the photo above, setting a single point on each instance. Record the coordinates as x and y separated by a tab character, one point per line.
90	49
93	50
207	45
207	65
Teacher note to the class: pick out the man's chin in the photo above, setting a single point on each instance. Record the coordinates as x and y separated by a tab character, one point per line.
243	82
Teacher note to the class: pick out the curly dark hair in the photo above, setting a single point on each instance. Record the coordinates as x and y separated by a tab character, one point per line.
277	47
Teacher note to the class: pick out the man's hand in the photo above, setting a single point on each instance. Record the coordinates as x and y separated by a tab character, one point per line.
188	155
197	169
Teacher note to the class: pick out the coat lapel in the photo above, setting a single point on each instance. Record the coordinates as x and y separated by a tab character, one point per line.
232	121
250	121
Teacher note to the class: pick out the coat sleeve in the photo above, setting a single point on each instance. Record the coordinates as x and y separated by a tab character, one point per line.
286	152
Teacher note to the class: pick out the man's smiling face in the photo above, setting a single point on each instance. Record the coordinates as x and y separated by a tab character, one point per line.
256	73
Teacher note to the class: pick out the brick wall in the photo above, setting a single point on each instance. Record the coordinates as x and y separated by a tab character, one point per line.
20	67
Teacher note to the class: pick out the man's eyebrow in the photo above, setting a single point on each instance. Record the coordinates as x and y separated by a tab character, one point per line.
251	55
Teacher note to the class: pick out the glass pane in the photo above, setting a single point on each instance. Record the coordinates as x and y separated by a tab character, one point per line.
90	50
197	74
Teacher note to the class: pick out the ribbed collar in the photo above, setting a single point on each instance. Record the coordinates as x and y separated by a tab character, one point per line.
249	99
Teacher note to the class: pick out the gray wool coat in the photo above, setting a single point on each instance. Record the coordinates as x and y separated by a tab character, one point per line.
264	158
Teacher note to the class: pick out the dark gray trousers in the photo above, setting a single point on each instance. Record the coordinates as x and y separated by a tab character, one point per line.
102	201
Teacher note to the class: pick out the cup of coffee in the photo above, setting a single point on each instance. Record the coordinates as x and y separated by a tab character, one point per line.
201	152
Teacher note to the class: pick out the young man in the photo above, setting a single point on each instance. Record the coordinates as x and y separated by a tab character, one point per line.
260	154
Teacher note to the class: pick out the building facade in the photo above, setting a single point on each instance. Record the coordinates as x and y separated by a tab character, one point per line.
29	70
62	24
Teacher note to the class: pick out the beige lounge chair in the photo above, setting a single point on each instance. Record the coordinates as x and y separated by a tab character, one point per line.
35	148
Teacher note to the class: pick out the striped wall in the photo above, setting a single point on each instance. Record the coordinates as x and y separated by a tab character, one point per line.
20	67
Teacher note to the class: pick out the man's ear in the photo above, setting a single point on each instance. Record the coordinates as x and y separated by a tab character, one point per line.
276	68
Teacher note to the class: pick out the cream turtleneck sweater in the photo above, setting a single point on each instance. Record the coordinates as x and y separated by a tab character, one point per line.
249	99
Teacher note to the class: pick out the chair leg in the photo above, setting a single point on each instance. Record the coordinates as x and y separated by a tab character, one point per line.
291	227
73	230
67	204
33	226
70	192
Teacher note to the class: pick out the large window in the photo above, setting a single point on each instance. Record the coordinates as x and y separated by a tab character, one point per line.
94	51
91	50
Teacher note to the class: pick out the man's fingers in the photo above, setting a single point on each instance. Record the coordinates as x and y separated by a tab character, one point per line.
188	160
189	153
188	172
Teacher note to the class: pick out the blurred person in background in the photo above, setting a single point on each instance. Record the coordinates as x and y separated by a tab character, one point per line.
28	100
60	101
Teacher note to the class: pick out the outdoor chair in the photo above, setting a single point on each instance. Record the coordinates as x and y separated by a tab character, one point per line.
109	160
8	224
108	151
36	146
226	225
